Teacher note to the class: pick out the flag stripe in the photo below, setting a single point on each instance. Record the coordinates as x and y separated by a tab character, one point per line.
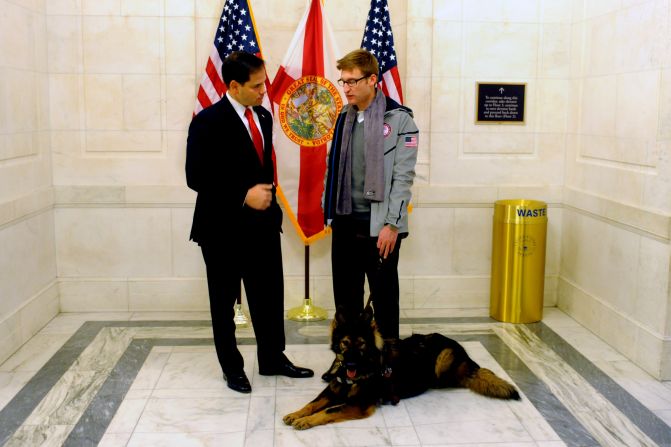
313	46
210	91
310	188
215	78
393	80
281	82
203	98
389	87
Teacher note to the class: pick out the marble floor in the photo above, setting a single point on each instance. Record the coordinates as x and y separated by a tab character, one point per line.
152	379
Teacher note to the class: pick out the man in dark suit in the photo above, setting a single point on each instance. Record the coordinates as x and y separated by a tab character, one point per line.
237	221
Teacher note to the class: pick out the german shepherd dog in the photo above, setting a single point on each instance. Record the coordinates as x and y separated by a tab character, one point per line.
361	381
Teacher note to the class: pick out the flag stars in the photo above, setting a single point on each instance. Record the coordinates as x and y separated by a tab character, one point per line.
378	38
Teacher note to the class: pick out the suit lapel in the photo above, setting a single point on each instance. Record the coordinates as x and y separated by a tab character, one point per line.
233	117
266	127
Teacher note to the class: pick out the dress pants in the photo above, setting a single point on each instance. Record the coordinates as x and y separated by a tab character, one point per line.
256	259
355	256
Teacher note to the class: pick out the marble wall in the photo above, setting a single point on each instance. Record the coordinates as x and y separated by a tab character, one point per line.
617	195
119	122
115	87
28	288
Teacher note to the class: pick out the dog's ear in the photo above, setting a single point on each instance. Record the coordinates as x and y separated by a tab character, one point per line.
367	314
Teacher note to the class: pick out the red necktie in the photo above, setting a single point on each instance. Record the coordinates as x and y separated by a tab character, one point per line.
256	135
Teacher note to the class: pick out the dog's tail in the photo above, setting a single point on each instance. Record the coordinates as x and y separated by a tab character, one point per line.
485	382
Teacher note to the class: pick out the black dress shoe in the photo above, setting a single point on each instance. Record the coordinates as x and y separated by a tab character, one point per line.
237	381
286	368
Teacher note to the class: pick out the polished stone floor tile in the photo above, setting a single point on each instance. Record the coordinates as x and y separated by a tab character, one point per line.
152	379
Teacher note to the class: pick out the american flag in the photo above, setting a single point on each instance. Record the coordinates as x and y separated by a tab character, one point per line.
236	32
379	40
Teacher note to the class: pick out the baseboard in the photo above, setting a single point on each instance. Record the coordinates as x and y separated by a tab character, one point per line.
645	347
17	328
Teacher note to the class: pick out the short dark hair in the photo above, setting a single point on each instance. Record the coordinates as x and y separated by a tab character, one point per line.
239	65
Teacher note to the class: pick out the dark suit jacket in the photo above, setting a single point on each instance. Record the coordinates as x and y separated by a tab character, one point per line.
221	165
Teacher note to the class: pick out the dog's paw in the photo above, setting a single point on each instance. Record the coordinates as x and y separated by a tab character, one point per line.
290	418
301	424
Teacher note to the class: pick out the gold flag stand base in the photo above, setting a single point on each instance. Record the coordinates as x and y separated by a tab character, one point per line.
307	312
240	318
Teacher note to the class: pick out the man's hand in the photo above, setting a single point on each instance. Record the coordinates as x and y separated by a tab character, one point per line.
259	196
386	240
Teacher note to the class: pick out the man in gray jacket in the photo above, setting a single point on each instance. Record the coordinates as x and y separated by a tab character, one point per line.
371	168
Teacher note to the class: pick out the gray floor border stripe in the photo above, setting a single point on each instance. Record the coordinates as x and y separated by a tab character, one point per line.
635	411
27	399
562	421
93	423
22	405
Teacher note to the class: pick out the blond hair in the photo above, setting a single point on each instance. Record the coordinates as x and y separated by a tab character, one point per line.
361	59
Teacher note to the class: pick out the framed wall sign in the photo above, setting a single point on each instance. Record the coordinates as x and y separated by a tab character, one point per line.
499	103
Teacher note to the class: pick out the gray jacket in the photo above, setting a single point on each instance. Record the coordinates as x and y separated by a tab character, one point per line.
401	141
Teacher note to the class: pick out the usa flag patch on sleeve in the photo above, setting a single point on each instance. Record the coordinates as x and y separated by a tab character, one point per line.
410	141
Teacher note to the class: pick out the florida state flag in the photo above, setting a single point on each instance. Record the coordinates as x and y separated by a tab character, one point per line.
306	102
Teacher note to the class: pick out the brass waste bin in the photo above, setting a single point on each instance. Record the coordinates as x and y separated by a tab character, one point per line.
518	261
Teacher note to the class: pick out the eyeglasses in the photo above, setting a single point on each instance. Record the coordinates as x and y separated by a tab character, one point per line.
351	82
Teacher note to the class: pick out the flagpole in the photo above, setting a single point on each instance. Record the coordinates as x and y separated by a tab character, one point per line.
308	311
